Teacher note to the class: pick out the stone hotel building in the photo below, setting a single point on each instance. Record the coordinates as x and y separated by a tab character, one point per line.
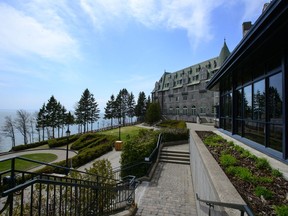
182	94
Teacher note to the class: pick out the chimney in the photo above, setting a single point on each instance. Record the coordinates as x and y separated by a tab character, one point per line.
246	27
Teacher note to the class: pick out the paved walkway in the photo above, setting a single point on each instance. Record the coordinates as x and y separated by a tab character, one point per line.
170	191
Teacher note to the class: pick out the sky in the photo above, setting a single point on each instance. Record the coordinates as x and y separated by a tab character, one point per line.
62	47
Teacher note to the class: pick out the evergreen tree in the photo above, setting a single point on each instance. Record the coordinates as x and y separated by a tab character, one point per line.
87	110
141	106
69	119
131	106
52	114
153	113
41	120
110	109
122	105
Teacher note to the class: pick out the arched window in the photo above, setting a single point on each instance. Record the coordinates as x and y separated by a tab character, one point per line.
177	110
171	110
193	110
185	110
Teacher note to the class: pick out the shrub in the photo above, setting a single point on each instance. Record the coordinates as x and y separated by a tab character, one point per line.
227	160
241	172
54	143
173	124
263	191
213	140
262	163
28	146
136	149
276	173
281	210
245	154
170	134
90	154
84	140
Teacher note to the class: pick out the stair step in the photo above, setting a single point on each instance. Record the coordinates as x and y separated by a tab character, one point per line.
175	161
165	157
175	156
177	152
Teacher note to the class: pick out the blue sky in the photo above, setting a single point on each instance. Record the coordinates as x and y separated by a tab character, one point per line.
62	47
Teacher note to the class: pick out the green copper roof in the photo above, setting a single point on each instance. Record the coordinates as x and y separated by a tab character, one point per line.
223	54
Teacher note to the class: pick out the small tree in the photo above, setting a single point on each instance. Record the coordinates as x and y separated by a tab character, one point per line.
8	129
22	123
153	113
110	109
104	171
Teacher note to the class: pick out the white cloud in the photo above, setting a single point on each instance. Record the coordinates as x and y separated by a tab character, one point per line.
253	9
193	16
21	35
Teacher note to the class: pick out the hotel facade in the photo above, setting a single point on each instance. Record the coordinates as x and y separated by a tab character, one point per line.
182	94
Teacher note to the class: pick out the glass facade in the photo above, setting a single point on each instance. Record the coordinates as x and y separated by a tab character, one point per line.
257	112
275	112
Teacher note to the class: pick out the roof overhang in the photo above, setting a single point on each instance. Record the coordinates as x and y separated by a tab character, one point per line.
265	28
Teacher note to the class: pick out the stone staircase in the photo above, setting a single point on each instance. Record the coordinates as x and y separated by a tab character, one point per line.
175	156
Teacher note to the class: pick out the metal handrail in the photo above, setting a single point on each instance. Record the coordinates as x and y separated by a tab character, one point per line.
242	208
17	184
155	149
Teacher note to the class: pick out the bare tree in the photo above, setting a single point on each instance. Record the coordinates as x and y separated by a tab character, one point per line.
8	129
22	123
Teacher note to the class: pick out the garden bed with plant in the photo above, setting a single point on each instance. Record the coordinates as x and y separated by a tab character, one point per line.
263	188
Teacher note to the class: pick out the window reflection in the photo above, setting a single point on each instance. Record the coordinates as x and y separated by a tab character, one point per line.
275	138
259	101
238	95
275	98
255	131
247	100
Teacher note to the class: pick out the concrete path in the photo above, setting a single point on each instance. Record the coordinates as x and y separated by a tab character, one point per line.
170	191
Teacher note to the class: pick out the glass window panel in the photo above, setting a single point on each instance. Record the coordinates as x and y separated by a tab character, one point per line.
228	124
255	131
275	137
238	95
247	100
229	104
259	101
275	98
238	128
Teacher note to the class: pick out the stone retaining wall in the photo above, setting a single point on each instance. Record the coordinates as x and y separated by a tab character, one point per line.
209	180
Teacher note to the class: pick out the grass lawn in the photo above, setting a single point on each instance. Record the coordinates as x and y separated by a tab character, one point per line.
26	165
124	131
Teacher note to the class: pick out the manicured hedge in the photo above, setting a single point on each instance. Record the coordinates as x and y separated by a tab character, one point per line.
53	143
172	124
85	140
90	154
28	146
174	134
